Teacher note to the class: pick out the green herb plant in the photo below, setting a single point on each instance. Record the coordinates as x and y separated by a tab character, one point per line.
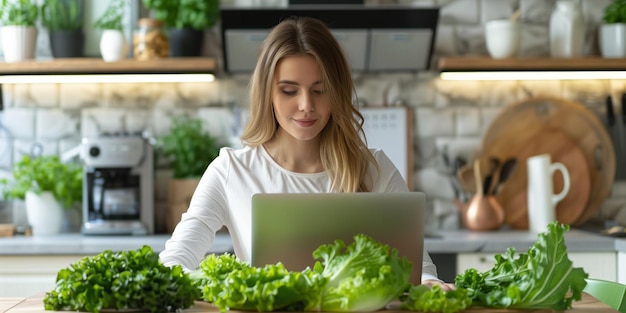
112	17
615	12
19	12
122	280
188	148
62	15
195	14
45	173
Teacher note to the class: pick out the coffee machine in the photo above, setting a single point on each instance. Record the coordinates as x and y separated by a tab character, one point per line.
118	185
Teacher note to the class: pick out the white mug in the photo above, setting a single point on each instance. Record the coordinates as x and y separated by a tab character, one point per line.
502	38
541	198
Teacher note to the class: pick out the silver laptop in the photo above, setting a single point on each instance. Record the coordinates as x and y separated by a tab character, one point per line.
287	228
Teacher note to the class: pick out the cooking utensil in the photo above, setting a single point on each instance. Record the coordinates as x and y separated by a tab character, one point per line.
503	174
494	163
572	135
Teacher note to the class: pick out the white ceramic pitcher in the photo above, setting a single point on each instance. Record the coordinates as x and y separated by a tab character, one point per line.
541	198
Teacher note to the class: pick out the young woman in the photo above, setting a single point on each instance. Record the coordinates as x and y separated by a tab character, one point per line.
304	135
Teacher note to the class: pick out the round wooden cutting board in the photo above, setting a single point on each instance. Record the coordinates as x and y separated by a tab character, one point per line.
572	135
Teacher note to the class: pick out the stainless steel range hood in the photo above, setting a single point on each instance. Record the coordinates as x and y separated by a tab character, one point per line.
375	39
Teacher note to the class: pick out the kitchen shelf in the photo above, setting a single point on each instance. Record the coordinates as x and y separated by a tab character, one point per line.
187	65
482	63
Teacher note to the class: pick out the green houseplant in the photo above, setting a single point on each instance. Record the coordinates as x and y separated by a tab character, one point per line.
64	21
189	150
613	30
113	44
48	186
19	33
186	20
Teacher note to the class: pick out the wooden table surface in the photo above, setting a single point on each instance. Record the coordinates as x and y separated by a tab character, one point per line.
34	304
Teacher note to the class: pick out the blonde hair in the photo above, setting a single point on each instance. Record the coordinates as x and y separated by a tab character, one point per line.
343	148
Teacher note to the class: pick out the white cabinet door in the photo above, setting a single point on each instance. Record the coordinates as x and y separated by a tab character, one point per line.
24	276
621	267
601	265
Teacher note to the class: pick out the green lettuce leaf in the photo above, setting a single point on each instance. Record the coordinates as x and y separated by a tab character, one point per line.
543	278
421	298
363	276
229	283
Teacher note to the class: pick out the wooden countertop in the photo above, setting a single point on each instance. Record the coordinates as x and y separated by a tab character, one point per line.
34	304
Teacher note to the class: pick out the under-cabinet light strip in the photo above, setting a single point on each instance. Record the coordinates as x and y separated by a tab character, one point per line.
533	75
106	78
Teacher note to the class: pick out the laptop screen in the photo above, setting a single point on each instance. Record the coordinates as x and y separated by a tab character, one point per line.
287	228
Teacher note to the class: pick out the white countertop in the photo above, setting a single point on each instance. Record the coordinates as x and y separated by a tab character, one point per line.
461	241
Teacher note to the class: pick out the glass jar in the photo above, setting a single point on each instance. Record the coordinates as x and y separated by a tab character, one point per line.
149	40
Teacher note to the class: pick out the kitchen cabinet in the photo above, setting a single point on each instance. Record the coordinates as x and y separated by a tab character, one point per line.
602	265
23	276
621	267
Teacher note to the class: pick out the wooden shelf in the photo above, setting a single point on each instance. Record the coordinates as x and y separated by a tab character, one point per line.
98	66
530	64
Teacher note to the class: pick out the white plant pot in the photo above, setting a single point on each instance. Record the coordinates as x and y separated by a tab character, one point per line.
44	213
613	40
113	45
18	42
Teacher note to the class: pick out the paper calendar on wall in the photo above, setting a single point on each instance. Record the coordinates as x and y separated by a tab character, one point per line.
391	129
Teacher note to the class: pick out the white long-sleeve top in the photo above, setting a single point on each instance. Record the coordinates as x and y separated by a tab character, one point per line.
223	198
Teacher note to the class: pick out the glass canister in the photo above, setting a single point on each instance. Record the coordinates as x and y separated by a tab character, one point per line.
149	40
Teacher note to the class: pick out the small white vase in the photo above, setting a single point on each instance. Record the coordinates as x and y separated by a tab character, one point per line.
113	45
18	42
613	40
567	30
44	213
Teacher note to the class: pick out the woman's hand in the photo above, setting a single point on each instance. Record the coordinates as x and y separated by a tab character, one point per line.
444	286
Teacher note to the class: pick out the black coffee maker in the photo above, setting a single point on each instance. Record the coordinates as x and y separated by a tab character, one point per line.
118	196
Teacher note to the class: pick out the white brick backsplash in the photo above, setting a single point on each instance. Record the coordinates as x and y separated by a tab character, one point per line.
34	147
434	184
6	150
199	94
135	95
468	121
72	96
20	122
500	93
434	122
218	122
534	41
55	124
542	88
537	11
471	39
460	12
96	121
68	148
44	95
497	9
445	41
447	114
487	116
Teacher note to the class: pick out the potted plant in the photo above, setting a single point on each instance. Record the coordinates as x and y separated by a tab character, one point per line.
613	30
113	43
19	34
189	150
64	21
48	186
186	21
